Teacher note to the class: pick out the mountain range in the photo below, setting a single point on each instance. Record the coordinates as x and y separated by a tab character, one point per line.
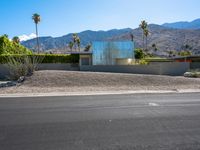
184	25
167	37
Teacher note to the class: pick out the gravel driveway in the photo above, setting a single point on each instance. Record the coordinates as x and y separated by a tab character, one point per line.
68	81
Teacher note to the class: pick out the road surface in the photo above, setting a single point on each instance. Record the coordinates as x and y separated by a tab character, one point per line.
109	122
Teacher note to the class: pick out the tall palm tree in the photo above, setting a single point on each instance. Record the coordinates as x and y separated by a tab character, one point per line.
143	26
36	18
71	45
74	37
78	41
16	39
146	34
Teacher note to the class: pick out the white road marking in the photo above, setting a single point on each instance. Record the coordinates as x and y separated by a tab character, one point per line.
153	104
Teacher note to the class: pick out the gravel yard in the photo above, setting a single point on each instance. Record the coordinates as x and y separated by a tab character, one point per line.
67	81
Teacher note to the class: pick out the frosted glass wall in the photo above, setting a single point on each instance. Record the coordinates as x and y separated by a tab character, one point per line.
106	53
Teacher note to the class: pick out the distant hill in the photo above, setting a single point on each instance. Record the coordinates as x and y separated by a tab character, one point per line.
49	43
165	38
184	25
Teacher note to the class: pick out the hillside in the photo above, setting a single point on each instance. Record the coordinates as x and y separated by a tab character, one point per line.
166	39
184	24
49	43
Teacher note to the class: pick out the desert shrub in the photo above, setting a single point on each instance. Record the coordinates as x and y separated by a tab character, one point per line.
22	66
143	62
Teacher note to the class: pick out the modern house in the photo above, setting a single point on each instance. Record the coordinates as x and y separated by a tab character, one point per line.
108	53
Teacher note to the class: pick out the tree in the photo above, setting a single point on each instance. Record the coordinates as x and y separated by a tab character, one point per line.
9	47
88	47
139	54
71	45
16	39
146	34
78	41
36	18
131	36
154	47
143	26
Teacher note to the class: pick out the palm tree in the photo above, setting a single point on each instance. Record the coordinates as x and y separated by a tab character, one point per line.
143	26
87	47
16	39
146	34
36	18
74	36
131	36
78	41
71	45
154	46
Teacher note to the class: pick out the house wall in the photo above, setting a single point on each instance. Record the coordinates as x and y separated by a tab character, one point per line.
82	60
106	53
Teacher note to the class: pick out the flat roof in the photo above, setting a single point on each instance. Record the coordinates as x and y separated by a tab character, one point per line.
82	53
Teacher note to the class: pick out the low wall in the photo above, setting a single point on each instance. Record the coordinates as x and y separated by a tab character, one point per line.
49	66
4	71
168	68
195	65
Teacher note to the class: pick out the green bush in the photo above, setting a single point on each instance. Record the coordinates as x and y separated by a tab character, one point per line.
139	54
9	47
45	58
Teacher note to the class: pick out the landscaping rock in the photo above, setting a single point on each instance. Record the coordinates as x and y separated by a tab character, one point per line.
192	74
21	79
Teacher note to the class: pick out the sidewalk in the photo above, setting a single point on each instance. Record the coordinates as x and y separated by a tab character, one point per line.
99	93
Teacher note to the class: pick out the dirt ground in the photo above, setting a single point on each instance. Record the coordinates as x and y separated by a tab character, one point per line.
70	81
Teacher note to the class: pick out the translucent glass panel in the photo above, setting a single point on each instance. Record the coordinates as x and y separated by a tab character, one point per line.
106	53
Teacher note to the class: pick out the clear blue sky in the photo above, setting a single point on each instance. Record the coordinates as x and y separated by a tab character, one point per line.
60	17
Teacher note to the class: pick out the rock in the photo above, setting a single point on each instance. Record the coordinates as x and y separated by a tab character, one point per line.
21	79
192	74
188	74
8	84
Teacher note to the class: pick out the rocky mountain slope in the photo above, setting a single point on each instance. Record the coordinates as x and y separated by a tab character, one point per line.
184	24
49	43
164	37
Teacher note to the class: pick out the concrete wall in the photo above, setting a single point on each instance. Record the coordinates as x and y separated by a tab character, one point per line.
49	66
169	68
4	71
195	65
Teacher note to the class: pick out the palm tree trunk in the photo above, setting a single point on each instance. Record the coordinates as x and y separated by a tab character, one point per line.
38	46
143	40
146	43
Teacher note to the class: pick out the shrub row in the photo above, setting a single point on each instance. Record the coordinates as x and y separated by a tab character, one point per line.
45	58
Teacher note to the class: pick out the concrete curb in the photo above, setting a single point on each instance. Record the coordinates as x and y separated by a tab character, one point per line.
100	93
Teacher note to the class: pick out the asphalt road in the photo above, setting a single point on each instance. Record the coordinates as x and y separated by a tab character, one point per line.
110	122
